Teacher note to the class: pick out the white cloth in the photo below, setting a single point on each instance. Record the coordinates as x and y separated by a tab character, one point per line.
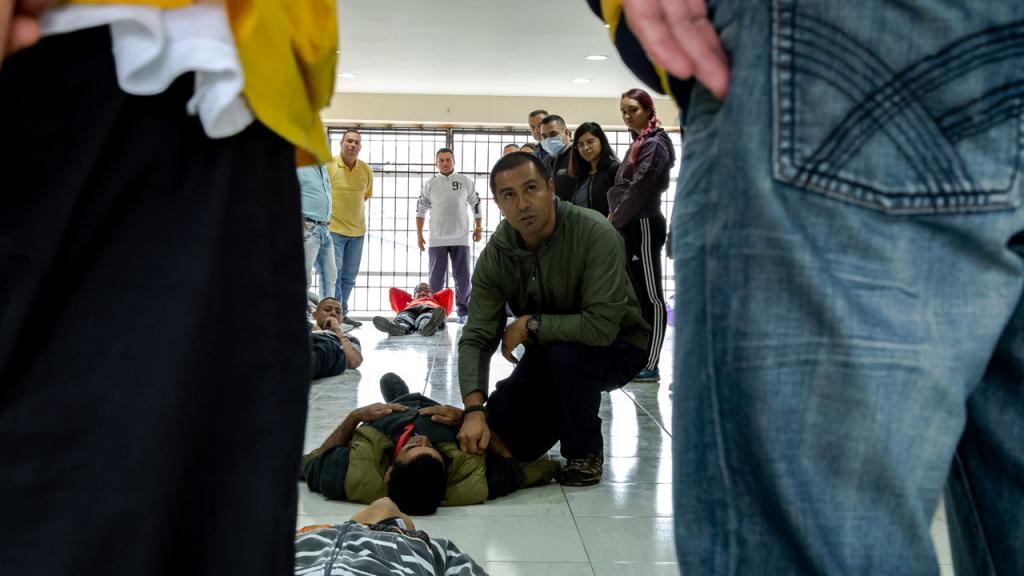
446	198
152	47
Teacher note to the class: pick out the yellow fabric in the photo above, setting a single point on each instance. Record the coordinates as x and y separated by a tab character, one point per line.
288	50
350	187
611	12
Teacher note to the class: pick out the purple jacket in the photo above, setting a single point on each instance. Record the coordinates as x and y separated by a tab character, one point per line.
639	185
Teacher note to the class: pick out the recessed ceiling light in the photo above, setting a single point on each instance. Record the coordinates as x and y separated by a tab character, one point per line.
581	80
348	75
596	57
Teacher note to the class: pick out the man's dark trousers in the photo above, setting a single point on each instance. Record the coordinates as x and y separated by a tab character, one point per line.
554	394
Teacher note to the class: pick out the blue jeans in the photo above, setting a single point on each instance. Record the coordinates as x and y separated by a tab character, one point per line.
348	252
848	240
319	249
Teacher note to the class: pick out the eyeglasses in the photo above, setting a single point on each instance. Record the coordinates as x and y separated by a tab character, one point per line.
587	143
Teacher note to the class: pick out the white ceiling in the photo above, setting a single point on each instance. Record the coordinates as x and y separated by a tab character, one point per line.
477	47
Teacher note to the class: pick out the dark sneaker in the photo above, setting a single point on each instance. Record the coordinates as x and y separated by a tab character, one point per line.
388	326
435	322
584	471
392	387
646	375
351	322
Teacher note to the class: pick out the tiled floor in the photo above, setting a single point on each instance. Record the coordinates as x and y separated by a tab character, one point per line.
622	526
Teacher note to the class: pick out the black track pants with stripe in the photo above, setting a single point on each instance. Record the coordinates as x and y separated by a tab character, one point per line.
645	239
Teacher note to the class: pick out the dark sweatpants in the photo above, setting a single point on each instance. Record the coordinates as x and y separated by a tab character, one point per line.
459	256
554	394
154	360
645	238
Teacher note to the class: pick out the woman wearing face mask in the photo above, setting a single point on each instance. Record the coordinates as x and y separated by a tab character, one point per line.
593	166
634	204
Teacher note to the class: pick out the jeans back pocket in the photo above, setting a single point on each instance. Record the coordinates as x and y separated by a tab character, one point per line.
909	107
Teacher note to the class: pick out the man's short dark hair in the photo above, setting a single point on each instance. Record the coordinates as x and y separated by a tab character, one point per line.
442	151
538	113
351	130
325	299
418	486
553	118
515	160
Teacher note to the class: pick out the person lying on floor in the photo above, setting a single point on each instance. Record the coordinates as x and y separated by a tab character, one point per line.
379	540
420	311
331	350
406	449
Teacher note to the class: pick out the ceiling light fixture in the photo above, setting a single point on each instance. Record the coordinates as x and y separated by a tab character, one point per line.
596	57
348	75
581	80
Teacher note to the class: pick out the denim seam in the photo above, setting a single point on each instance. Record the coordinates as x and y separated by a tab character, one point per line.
731	528
978	527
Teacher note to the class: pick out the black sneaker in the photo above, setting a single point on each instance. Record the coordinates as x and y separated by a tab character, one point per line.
388	326
392	387
351	322
435	322
584	471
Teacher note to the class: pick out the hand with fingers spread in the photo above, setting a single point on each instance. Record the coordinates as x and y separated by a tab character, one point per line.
19	24
377	410
447	415
678	36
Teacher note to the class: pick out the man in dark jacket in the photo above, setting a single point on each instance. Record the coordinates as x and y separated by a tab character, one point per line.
556	141
559	268
406	451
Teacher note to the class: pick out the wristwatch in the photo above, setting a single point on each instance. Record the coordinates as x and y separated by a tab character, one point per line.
533	328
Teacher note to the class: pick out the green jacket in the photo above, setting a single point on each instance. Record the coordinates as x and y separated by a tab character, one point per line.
578	282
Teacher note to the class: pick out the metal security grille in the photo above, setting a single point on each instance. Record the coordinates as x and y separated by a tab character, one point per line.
402	160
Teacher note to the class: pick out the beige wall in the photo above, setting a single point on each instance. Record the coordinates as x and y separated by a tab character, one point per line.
349	109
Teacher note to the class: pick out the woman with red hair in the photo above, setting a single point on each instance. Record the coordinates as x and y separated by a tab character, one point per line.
634	204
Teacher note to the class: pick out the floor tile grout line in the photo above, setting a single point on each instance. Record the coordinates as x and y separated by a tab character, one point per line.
572	514
649	415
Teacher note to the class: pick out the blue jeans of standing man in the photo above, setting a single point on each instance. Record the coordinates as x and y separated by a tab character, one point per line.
348	252
849	252
319	249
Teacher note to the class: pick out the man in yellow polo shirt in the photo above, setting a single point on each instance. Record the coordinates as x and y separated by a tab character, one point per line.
351	186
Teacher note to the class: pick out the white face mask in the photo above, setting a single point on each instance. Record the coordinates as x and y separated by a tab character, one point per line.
553	145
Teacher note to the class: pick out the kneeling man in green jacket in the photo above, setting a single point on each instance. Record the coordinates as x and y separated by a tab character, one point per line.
405	449
561	269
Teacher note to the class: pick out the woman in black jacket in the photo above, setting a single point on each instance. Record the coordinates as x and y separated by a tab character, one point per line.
593	165
634	204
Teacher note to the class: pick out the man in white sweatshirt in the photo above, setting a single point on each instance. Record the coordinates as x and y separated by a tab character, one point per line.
446	196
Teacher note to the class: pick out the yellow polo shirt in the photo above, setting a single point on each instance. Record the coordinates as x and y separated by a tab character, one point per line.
350	187
288	50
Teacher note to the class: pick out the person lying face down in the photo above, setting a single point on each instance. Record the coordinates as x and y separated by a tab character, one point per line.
374	542
405	448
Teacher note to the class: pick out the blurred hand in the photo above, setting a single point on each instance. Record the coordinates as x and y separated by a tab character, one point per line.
378	410
477	235
19	24
332	324
475	434
420	242
677	35
447	415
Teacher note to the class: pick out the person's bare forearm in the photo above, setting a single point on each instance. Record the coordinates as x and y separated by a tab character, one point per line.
342	435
